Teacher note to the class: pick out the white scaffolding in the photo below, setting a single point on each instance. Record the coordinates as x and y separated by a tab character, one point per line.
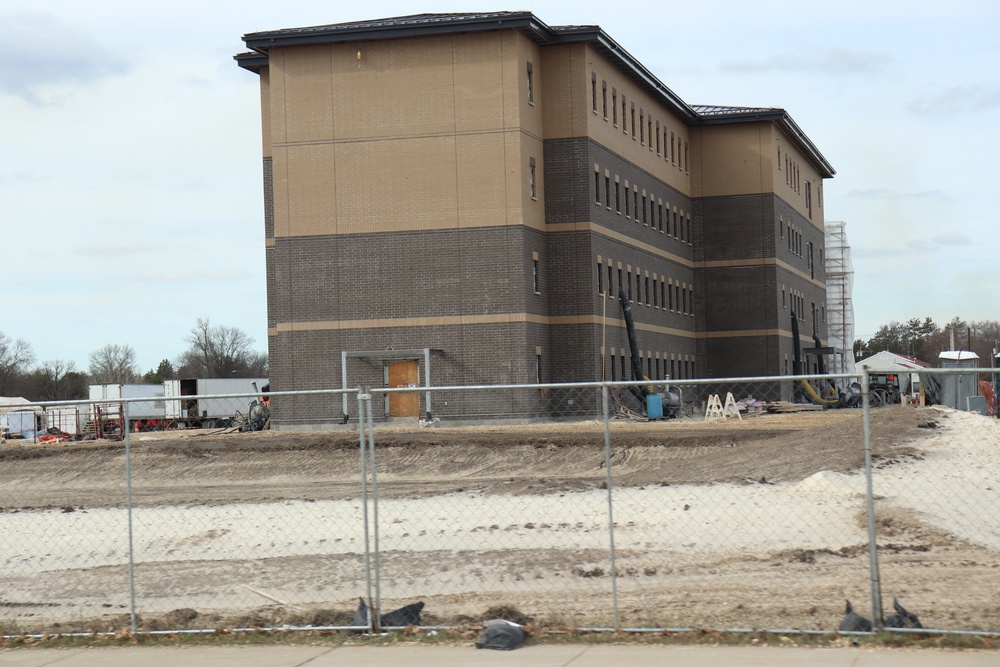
839	306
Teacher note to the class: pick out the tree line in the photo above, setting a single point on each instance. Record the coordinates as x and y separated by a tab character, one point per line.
213	351
924	340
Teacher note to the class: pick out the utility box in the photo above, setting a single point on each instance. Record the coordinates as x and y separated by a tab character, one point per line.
956	388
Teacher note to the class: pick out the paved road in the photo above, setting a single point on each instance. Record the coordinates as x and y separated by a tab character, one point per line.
462	656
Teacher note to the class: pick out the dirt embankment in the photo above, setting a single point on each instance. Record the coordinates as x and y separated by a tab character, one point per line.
203	467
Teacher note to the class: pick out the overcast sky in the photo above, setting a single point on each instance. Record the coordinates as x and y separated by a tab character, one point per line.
130	179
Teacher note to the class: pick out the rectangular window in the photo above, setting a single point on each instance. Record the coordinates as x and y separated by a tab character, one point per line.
809	257
628	211
593	89
611	281
687	164
672	158
534	277
783	304
689	229
531	84
531	179
624	115
675	223
614	106
642	126
644	208
597	187
621	285
632	120
663	294
604	99
629	285
600	278
618	197
647	290
670	291
538	369
659	212
656	293
635	205
607	191
808	195
649	132
781	227
657	147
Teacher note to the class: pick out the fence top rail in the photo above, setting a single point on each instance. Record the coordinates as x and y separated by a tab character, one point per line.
963	370
621	383
145	399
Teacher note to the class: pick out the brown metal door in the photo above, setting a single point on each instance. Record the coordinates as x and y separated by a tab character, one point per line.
403	374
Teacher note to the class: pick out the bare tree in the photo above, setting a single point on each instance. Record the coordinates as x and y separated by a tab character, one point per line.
15	358
219	351
57	380
113	363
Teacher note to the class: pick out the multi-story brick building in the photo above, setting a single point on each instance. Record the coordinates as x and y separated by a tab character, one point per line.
457	193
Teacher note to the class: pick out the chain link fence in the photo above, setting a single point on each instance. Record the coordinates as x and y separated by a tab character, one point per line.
743	503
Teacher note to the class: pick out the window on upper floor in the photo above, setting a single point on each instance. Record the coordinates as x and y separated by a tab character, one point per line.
614	106
531	84
593	90
535	277
604	99
532	184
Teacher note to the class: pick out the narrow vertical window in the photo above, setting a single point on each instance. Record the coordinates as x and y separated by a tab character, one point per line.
632	120
610	279
808	195
535	277
649	131
531	84
663	294
689	240
628	210
597	187
593	90
656	293
624	114
642	126
600	278
604	99
659	212
783	303
620	283
630	284
657	147
538	368
647	291
618	197
532	189
635	205
614	106
673	159
644	209
607	191
687	165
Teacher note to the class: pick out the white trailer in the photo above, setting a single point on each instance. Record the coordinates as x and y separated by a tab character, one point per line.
209	412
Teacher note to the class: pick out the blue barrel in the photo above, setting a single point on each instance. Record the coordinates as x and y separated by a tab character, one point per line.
654	406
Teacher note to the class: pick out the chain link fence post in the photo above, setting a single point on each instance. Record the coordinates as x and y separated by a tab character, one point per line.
606	418
128	505
876	589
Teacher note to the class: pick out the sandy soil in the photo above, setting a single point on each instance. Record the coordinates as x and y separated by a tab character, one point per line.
753	523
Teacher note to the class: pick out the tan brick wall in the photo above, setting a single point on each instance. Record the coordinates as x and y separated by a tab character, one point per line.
742	159
365	145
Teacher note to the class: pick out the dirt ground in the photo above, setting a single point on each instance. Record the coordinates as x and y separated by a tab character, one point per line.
953	582
196	466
